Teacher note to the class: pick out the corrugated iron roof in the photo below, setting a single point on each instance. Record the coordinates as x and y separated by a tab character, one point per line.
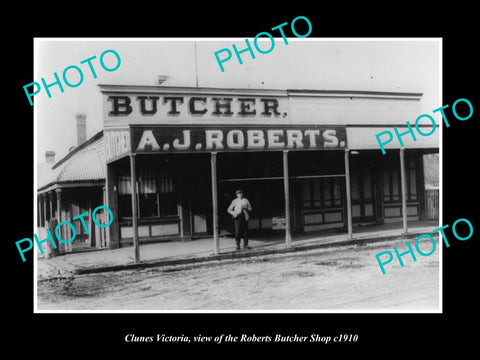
84	164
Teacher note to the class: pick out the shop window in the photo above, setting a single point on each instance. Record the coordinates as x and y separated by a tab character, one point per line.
167	196
354	186
124	196
307	198
386	185
147	194
147	205
396	184
317	199
322	193
412	181
337	193
168	204
327	191
392	184
156	194
367	186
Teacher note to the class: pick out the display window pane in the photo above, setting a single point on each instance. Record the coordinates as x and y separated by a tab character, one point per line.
306	193
124	185
146	182
168	204
124	206
327	192
354	187
367	185
413	182
148	206
395	183
386	185
337	194
316	190
166	184
156	194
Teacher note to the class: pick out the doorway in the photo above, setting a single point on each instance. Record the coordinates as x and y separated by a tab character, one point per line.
364	187
195	173
267	200
260	176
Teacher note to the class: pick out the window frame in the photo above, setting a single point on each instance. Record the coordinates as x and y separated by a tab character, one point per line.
158	194
410	167
319	184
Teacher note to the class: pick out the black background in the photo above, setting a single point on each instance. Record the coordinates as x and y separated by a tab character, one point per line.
380	335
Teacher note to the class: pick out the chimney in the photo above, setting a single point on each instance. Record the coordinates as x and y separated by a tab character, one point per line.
50	157
161	79
81	128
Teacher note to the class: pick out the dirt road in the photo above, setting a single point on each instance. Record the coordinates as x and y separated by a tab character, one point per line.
323	279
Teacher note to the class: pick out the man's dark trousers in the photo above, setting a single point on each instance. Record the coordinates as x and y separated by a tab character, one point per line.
241	229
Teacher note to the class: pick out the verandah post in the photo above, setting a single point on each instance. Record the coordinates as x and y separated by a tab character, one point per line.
404	191
213	162
133	178
349	198
288	237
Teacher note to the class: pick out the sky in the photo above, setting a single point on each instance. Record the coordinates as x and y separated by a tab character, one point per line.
397	65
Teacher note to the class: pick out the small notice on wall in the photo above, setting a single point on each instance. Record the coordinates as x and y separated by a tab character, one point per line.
279	223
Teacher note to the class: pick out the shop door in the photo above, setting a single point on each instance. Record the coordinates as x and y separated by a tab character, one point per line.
200	194
266	198
201	210
260	176
363	195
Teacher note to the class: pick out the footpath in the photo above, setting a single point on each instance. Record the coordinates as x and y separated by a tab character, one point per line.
201	250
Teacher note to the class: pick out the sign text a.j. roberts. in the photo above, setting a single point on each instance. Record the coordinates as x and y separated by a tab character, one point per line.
195	105
243	138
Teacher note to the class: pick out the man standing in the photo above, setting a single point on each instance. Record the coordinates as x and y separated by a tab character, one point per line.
239	209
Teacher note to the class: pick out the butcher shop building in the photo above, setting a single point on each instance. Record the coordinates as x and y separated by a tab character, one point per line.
307	160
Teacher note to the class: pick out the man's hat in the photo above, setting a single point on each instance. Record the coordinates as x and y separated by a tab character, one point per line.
238	191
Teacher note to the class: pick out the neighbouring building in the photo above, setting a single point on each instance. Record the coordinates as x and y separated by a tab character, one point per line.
75	185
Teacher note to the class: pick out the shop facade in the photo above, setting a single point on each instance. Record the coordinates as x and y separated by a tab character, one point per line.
307	160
